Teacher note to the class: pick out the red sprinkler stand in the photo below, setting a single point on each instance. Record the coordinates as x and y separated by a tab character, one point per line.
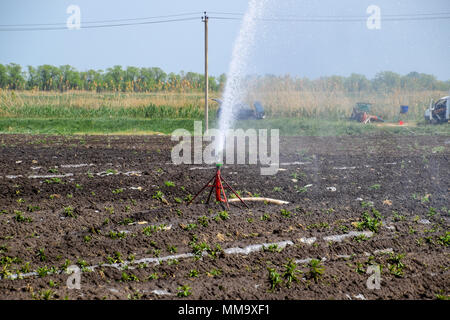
218	185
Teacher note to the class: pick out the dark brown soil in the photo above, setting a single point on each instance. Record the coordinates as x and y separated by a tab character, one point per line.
77	219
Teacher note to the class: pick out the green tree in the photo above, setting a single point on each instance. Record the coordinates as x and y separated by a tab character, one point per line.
213	84
3	76
386	81
356	83
33	78
16	80
93	80
49	77
69	78
114	76
222	81
159	74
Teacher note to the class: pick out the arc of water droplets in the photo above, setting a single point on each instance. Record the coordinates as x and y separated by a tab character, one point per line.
234	88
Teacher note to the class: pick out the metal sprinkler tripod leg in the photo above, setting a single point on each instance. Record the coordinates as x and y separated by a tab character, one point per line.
200	191
223	191
210	192
234	192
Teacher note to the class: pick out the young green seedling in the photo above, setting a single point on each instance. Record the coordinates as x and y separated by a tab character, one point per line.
274	279
68	212
290	272
316	269
395	264
184	291
371	223
169	184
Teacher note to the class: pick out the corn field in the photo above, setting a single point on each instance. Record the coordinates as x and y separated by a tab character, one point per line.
278	101
339	104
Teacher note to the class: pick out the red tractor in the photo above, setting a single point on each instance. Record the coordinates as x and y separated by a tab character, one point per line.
361	114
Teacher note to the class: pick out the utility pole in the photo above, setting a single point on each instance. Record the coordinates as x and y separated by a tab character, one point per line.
205	20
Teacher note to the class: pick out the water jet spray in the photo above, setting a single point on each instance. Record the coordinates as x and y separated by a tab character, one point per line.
234	93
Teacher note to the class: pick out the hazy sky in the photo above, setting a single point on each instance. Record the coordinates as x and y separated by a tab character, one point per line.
311	49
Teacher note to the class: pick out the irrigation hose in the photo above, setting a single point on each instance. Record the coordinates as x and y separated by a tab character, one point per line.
268	200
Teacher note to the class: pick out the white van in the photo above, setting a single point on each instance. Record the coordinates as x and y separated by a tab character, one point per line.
438	112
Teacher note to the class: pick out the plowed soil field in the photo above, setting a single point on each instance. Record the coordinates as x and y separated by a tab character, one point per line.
116	208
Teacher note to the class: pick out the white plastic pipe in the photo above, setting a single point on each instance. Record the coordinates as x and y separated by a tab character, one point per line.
269	200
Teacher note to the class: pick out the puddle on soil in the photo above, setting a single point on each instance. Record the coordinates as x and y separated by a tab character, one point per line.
51	176
133	173
383	251
22	275
308	240
13	176
77	165
163	228
102	173
236	250
308	260
201	168
40	177
343	256
256	247
359	296
129	173
340	237
293	163
161	292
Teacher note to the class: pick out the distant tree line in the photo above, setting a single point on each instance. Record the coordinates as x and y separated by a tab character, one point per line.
386	81
133	79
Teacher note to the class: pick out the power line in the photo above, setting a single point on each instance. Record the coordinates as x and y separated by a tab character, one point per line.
220	13
359	19
147	18
339	17
100	26
100	21
228	16
227	13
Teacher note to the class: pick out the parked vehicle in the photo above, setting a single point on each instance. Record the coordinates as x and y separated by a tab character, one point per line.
361	111
243	111
438	112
